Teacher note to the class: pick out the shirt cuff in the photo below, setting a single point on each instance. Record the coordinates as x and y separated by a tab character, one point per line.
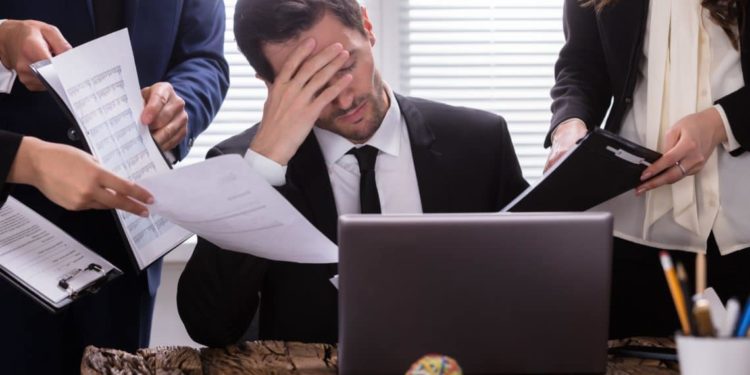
7	76
270	170
731	144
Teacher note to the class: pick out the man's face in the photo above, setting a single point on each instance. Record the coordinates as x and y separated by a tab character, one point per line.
358	111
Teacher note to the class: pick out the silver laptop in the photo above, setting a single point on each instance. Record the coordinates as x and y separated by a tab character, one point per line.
500	293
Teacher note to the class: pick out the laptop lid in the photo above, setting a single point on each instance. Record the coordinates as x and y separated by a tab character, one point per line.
500	293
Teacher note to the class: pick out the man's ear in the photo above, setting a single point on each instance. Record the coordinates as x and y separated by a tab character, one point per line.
367	24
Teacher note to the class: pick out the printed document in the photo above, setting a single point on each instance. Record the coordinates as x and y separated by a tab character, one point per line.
37	255
225	202
98	84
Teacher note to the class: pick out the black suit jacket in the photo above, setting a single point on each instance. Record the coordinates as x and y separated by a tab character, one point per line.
598	65
9	143
464	161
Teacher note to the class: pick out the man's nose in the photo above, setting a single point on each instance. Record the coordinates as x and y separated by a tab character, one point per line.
345	99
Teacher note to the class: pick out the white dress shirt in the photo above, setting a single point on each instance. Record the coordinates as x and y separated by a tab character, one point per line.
395	175
7	76
730	226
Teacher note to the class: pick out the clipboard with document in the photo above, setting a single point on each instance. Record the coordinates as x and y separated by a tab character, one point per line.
601	166
44	262
96	85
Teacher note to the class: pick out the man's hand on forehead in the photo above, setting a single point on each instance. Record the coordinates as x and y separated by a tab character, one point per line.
304	86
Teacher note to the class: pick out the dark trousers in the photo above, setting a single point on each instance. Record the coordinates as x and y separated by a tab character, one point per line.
641	304
35	341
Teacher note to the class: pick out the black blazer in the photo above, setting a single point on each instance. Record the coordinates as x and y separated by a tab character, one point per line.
9	143
464	161
600	59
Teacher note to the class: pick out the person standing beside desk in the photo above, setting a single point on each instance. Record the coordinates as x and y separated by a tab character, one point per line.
675	72
178	50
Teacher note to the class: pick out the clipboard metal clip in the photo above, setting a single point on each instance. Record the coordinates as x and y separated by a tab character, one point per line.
64	282
624	155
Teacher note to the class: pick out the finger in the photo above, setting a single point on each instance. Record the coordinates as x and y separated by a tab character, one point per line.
323	76
669	176
175	137
55	40
667	160
552	160
111	199
316	63
30	81
158	96
174	107
295	60
126	188
328	95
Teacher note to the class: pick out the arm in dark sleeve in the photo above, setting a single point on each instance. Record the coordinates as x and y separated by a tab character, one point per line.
9	144
218	293
511	182
582	87
198	70
735	105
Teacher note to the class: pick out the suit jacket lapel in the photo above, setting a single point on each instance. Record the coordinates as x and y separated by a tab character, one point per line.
426	157
308	172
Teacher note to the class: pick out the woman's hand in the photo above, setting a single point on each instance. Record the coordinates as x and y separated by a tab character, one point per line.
689	144
564	138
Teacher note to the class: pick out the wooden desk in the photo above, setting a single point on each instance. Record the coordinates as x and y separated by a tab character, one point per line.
279	358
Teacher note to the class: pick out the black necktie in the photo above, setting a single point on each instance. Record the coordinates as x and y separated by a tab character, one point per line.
368	192
109	16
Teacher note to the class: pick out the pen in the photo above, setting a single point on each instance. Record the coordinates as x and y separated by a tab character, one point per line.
682	276
730	322
674	288
744	322
702	313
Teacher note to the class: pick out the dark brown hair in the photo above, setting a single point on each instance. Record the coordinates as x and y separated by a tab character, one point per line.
257	22
726	13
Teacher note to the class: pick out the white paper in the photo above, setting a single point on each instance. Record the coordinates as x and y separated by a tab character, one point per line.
335	281
100	86
225	202
38	254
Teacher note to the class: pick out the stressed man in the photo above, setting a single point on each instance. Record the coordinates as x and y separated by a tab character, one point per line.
334	139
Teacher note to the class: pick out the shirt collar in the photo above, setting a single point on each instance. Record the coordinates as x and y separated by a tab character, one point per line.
386	139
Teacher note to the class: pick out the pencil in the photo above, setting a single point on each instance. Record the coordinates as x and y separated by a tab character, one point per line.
683	277
674	288
700	273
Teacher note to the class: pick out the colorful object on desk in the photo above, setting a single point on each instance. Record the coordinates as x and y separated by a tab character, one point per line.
684	285
744	322
674	288
435	364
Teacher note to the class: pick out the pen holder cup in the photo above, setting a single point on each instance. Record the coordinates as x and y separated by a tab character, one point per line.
711	355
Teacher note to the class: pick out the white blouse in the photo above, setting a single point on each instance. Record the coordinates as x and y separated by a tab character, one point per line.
731	226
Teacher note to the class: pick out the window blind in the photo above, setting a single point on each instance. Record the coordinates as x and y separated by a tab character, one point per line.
495	55
243	105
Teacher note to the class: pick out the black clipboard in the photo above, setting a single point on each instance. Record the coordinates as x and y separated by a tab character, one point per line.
601	166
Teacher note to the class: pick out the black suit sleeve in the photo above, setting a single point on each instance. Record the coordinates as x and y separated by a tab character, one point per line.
735	105
582	87
9	144
218	293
